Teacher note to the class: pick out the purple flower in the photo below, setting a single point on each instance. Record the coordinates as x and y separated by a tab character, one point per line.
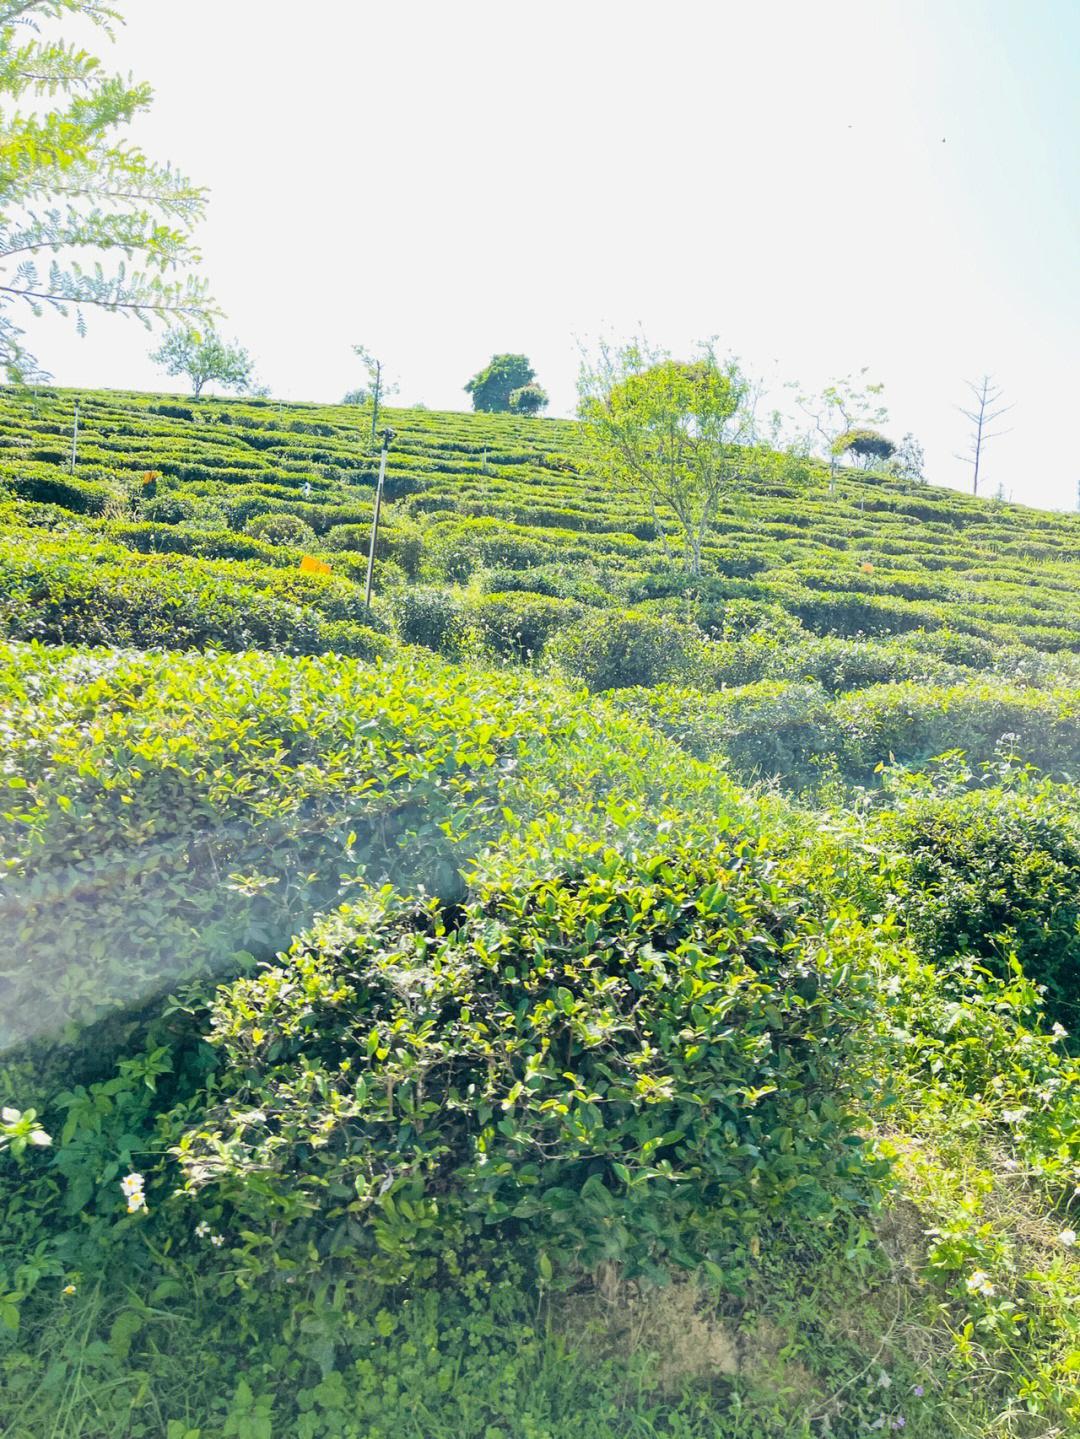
917	1391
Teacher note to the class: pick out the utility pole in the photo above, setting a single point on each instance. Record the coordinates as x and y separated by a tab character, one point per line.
74	439
387	436
980	417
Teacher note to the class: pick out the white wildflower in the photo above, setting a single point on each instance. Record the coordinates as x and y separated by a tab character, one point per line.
1067	1237
202	1230
979	1283
217	1240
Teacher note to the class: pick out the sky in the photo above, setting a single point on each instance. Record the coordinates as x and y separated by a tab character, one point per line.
822	187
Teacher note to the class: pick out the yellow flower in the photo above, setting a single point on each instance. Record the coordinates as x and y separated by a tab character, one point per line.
69	1289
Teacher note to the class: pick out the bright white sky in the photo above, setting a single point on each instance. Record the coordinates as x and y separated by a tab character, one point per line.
891	183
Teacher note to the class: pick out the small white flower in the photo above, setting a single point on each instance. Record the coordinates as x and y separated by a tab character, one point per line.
132	1185
10	1116
979	1283
1067	1237
202	1230
136	1202
217	1240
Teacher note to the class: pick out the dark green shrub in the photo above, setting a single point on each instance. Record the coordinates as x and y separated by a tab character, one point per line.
434	618
46	487
772	729
363	1067
172	412
520	624
167	509
401	542
987	874
281	529
621	648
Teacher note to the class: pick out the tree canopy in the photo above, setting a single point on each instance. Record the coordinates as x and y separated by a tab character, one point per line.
530	399
492	387
70	186
204	358
864	446
669	430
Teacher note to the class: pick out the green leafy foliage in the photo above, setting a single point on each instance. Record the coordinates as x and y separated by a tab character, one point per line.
994	874
644	1059
493	387
616	649
579	1030
67	186
205	359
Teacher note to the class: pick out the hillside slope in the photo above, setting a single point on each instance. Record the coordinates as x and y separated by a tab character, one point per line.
568	1000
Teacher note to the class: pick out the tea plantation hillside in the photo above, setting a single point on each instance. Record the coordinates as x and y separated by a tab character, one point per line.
568	999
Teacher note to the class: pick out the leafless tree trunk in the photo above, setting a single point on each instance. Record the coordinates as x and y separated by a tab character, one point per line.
984	414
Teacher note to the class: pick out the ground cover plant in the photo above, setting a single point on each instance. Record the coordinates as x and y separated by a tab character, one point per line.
570	996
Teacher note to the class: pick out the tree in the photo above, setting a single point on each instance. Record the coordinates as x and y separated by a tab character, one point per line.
69	185
843	405
670	431
204	358
492	386
907	462
864	446
380	386
982	415
528	400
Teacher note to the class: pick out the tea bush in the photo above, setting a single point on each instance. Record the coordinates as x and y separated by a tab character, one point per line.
615	650
520	624
362	1084
281	529
995	873
434	618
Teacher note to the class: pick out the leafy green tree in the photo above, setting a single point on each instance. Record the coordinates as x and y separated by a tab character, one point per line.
492	387
204	358
865	447
670	431
528	400
843	405
69	186
907	462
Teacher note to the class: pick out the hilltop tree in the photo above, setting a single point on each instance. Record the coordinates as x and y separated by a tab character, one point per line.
907	462
378	389
69	185
981	416
670	431
492	387
204	358
528	400
864	446
846	404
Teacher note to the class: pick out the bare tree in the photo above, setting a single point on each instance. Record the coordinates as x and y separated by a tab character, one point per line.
380	387
983	415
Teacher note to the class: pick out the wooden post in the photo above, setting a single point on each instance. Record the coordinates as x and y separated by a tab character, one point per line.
388	435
